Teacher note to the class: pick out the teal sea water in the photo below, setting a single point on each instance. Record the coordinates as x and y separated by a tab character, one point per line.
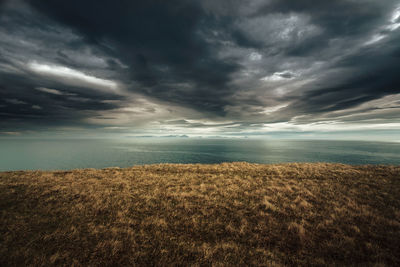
26	154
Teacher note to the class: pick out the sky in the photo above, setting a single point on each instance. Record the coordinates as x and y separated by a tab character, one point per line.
227	68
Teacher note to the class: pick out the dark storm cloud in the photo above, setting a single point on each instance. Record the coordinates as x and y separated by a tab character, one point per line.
26	38
32	106
160	41
362	70
245	62
373	74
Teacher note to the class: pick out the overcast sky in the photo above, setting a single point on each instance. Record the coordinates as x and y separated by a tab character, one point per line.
277	68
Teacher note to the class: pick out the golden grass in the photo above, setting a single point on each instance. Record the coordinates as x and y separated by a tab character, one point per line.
222	215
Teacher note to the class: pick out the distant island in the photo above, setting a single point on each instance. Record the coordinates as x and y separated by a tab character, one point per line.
229	214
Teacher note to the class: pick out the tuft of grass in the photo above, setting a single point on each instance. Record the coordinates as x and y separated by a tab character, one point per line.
230	214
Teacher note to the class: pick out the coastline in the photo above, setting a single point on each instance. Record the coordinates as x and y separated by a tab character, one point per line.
202	214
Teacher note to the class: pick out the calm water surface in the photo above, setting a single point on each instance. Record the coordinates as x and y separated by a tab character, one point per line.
70	154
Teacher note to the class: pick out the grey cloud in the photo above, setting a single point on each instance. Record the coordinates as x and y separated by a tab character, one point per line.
14	101
248	62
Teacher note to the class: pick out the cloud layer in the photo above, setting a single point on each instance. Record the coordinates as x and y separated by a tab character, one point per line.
199	67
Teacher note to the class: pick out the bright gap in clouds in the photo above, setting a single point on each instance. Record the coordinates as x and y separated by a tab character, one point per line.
50	91
72	76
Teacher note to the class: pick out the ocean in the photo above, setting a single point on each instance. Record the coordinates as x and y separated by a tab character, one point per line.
33	154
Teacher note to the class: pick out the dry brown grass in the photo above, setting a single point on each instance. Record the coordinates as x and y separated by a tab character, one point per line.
222	215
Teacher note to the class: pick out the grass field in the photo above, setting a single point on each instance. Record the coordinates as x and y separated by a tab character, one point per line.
228	214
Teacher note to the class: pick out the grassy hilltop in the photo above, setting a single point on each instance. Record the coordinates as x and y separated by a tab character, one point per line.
222	215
